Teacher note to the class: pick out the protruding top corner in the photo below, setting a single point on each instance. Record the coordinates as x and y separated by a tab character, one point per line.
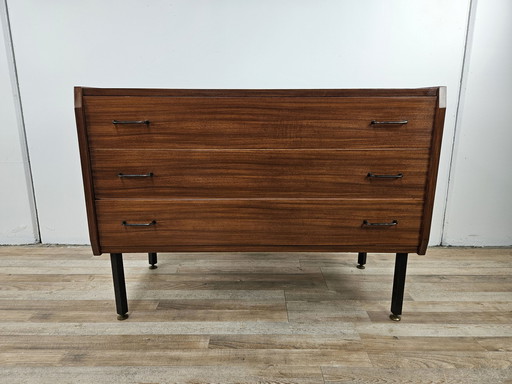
442	97
78	97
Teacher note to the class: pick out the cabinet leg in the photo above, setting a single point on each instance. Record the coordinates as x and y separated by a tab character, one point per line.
116	260
361	260
397	298
152	260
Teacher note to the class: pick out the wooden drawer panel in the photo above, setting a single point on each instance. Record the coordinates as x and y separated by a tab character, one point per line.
259	173
257	222
255	122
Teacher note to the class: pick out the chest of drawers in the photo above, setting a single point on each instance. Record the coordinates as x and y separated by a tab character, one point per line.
259	170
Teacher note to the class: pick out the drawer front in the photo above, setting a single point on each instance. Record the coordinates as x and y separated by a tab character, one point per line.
258	122
259	173
155	224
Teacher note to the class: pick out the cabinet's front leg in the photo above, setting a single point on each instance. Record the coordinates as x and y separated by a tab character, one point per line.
116	260
361	260
152	260
397	298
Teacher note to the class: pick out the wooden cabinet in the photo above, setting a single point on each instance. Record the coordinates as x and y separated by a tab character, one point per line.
259	170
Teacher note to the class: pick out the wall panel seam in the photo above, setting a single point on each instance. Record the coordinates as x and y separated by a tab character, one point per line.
460	97
11	59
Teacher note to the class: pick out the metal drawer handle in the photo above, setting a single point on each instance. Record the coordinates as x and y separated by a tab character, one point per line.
150	174
139	224
373	175
115	122
366	223
399	122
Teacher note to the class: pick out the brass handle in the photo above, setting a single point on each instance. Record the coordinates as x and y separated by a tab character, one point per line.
126	224
366	223
116	122
399	122
150	174
374	176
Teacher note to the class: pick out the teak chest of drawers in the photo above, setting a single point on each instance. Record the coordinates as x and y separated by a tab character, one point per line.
259	170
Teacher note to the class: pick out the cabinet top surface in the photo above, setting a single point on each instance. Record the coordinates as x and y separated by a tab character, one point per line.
432	91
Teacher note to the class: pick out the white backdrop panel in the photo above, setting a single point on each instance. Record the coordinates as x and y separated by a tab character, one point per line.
216	44
16	221
479	206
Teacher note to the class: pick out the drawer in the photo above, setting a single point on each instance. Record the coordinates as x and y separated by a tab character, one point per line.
259	173
162	224
258	122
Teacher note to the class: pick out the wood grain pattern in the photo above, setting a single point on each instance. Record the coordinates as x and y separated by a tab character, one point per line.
101	110
259	174
257	222
190	332
327	134
263	123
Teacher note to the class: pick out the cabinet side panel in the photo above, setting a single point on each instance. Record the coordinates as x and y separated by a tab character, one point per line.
86	171
435	151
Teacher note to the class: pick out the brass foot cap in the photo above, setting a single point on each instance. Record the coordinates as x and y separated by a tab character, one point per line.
153	266
360	266
395	317
122	317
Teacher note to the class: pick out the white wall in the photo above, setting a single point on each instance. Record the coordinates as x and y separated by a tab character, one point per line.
221	44
17	224
480	196
217	44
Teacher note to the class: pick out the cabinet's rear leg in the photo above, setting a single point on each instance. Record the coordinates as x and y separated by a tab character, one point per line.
361	260
152	260
397	298
116	260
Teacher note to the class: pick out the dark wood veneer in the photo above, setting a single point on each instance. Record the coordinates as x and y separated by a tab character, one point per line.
86	170
435	153
259	173
259	123
289	222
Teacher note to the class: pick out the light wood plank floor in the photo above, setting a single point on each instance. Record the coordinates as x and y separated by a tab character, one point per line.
255	318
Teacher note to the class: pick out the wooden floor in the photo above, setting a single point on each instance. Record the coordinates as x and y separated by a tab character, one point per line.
255	318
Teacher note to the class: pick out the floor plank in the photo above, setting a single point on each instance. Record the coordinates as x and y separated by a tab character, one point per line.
344	375
165	374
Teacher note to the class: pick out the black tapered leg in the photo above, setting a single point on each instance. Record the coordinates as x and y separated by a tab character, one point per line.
152	260
116	260
397	298
361	260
